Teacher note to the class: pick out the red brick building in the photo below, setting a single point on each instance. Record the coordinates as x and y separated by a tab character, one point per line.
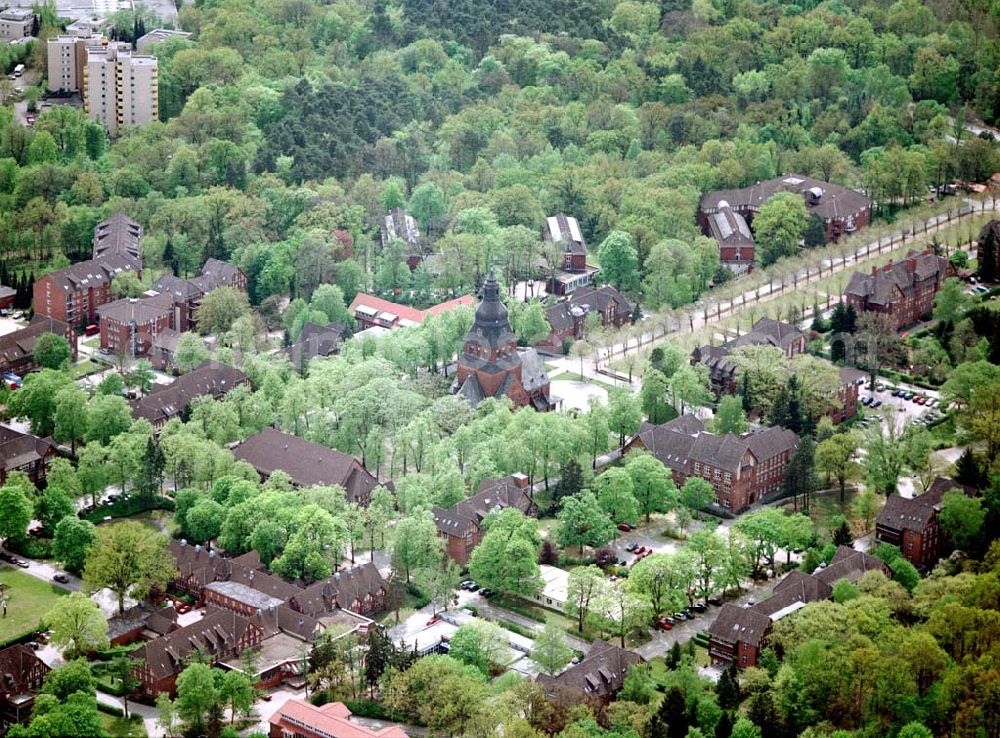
131	325
741	469
903	290
731	232
461	524
573	271
568	318
17	349
26	453
491	365
739	634
185	295
21	676
300	719
912	524
842	210
165	401
73	294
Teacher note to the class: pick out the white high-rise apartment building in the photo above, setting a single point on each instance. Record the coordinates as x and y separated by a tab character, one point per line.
67	56
120	87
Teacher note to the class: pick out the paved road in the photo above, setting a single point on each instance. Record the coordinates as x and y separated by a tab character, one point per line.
45	572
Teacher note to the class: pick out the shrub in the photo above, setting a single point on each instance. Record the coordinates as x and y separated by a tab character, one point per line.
367	708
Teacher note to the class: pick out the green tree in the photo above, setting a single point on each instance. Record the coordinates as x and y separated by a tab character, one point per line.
551	652
73	539
190	353
951	301
779	226
835	458
107	416
129	559
51	506
624	414
235	689
415	543
220	308
71	416
127	284
52	351
78	625
744	728
15	513
619	260
696	493
730	417
962	517
507	558
582	522
616	495
203	521
652	484
583	590
663	579
36	400
689	388
196	695
481	644
654	396
531	325
74	676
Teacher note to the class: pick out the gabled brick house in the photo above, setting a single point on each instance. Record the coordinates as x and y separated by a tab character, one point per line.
163	402
600	675
461	524
912	523
739	634
572	272
568	318
741	469
26	453
21	676
903	290
17	349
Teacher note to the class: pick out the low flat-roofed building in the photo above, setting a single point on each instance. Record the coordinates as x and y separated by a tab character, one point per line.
555	586
144	43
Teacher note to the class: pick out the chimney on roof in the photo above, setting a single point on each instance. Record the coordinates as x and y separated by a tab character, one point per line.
211	554
184	542
197	550
521	480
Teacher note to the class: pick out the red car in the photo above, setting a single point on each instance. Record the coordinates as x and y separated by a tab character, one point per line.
624	527
433	620
664	624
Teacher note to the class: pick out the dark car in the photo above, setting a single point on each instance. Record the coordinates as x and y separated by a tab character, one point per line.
690	613
631	547
698	607
877	403
473	587
35	645
61	578
487	593
22	563
715	601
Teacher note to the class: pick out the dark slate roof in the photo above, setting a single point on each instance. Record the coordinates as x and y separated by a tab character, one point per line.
561	315
493	494
158	620
796	589
167	401
565	229
317	340
492	324
216	273
767	332
135	309
307	463
849	564
771	442
118	235
601	673
724	452
181	290
21	343
217	632
16	664
166	340
92	273
916	513
897	279
18	449
834	202
599	299
740	624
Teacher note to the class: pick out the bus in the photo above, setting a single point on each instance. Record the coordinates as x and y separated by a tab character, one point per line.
18	70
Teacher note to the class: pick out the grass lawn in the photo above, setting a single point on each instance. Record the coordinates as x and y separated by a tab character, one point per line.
118	727
94	342
574	377
85	368
823	508
28	599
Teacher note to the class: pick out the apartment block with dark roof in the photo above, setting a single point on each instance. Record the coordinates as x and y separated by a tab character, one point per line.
131	325
842	210
461	524
307	463
912	523
741	469
765	332
73	294
739	634
186	294
22	674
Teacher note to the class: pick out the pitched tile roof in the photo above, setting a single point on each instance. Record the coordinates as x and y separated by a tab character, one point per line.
740	624
118	235
565	229
331	720
916	513
833	202
136	309
216	633
602	672
600	298
307	463
729	228
849	564
211	379
897	279
18	449
16	664
370	306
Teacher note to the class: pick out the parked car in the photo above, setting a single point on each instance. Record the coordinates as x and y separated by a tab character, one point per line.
680	616
22	563
632	547
61	578
664	624
698	607
433	620
877	403
35	645
625	527
473	587
866	401
715	601
465	584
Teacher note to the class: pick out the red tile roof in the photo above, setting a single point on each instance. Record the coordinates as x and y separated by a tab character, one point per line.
405	312
332	719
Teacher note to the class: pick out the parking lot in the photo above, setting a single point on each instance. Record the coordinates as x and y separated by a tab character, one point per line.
883	403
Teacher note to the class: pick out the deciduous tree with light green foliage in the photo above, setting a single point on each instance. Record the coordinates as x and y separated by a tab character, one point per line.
696	493
835	458
616	495
584	588
78	625
507	558
73	539
71	416
582	522
652	484
36	400
415	543
190	352
480	643
52	351
107	416
219	308
15	513
730	417
779	226
663	579
551	652
619	260
129	559
196	695
962	517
